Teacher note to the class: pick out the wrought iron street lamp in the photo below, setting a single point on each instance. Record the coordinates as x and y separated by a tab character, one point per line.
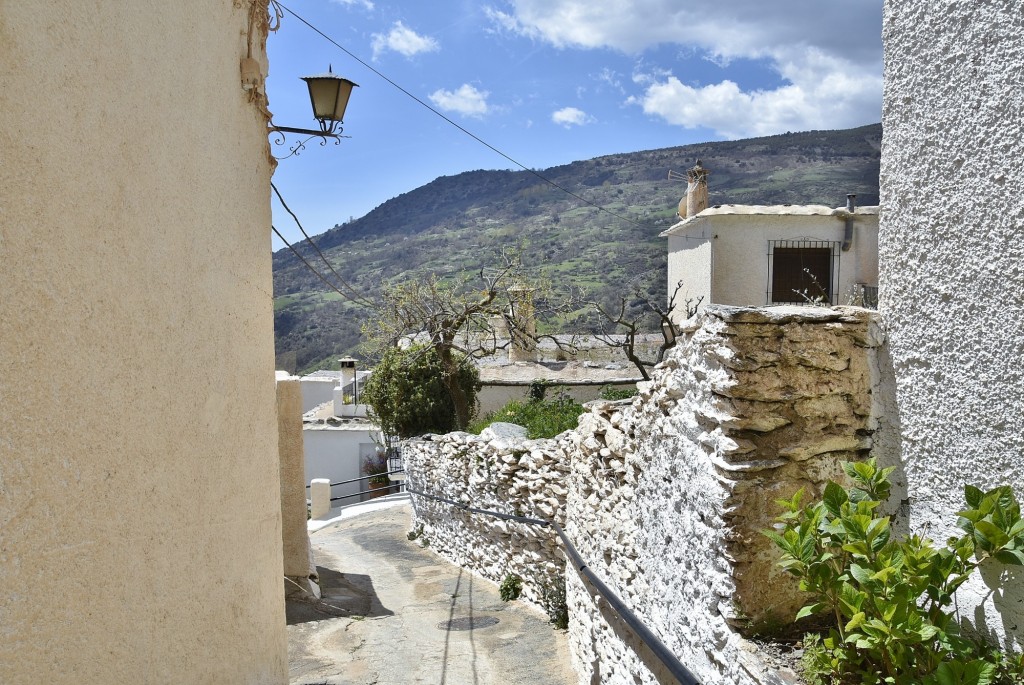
329	95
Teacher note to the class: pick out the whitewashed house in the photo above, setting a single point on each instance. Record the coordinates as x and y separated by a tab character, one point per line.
771	254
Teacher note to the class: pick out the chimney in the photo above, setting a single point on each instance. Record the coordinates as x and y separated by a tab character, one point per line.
851	202
522	325
696	191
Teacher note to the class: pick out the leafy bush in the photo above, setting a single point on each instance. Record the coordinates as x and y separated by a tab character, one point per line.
888	598
408	394
612	394
540	418
511	588
376	465
553	601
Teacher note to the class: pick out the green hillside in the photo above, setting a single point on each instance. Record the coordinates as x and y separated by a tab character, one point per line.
459	223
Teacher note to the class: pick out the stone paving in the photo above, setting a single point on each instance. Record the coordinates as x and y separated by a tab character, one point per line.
393	612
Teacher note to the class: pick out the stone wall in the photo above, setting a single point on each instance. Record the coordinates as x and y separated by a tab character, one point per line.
508	474
668	495
952	286
665	496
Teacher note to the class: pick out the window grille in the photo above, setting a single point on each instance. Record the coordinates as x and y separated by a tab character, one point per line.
803	271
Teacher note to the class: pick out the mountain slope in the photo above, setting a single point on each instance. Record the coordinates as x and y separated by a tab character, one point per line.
458	223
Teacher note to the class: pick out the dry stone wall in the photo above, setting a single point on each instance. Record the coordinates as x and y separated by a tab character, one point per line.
499	471
665	495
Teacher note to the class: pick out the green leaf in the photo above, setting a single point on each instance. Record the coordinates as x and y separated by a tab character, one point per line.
1013	557
860	574
856	622
989	536
972	496
834	498
810	609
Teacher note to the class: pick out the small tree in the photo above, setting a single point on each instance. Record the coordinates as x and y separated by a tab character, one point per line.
410	391
455	320
632	326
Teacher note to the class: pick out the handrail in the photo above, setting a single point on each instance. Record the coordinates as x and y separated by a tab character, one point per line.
657	647
356	480
365	492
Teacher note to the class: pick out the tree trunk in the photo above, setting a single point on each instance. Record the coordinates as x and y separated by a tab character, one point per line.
450	370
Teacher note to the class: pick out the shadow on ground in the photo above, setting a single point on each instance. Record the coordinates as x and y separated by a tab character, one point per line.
342	594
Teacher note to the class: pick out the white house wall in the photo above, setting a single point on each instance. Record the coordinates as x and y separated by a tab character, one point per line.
690	261
316	391
741	253
335	453
952	283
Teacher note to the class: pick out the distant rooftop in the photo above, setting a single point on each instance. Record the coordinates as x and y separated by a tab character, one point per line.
770	210
568	373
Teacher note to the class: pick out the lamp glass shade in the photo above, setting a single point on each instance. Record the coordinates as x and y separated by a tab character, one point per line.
329	94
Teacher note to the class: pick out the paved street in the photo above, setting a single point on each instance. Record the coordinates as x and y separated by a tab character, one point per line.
396	613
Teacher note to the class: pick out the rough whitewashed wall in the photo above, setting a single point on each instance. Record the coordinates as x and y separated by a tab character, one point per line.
952	280
508	475
665	496
668	497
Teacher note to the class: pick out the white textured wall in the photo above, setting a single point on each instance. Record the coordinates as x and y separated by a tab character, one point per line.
333	453
316	391
140	520
952	265
690	261
725	257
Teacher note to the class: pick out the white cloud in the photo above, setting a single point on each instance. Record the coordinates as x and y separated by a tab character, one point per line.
570	116
365	4
822	94
827	52
467	100
403	40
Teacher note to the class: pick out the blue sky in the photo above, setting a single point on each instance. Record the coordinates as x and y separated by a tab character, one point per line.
552	81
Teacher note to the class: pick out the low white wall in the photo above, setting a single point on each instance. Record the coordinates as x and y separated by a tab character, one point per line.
336	453
316	391
493	397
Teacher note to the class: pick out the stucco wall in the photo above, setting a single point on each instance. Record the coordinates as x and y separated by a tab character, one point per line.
298	559
952	286
690	261
316	391
333	452
140	530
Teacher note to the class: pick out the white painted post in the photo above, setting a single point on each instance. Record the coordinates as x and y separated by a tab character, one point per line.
320	497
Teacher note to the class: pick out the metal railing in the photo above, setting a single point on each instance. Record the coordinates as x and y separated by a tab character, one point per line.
650	640
388	488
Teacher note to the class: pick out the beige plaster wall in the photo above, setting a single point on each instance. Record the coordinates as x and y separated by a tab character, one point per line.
140	529
298	563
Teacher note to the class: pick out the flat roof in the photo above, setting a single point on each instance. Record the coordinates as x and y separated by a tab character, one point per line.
769	210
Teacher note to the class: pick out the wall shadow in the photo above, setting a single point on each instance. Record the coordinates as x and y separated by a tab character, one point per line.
341	595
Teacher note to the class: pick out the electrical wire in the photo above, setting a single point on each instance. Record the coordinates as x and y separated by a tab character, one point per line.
353	295
460	127
311	267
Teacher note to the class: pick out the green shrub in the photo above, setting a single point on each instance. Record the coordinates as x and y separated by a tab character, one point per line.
888	598
408	394
540	418
612	393
510	588
553	601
